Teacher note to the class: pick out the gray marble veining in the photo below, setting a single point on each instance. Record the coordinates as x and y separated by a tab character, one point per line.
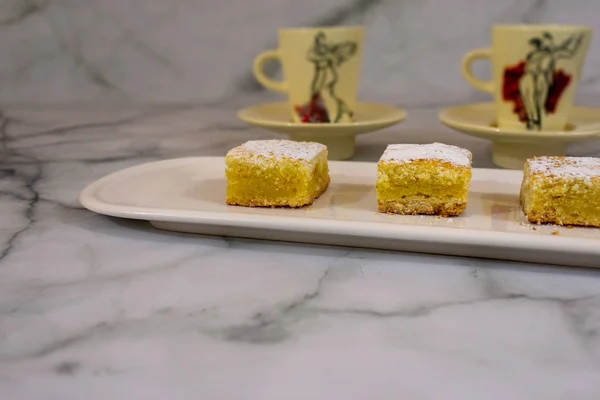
94	307
190	50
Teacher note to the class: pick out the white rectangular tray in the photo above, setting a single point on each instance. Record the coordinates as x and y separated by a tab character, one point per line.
188	195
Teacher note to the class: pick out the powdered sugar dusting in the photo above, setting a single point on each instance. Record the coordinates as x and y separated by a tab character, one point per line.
402	153
280	149
565	167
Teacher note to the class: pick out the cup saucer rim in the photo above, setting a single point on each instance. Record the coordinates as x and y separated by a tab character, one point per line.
397	115
485	110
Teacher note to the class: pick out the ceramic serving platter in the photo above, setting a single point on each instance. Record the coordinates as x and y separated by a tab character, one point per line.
188	195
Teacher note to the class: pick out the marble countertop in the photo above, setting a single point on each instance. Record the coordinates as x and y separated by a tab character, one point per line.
99	308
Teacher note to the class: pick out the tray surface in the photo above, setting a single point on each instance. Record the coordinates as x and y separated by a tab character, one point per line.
188	195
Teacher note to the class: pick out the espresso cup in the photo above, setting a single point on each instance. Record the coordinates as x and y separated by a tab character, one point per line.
321	68
535	73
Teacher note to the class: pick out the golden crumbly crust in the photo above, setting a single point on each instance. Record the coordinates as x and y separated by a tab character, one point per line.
561	191
549	217
420	206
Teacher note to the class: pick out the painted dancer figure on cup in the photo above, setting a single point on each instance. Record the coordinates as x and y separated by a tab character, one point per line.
326	58
535	73
321	67
541	85
536	69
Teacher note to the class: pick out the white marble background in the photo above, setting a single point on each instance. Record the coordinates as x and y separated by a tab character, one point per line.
97	308
200	50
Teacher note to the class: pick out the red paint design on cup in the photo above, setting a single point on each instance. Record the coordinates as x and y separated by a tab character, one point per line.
510	89
314	111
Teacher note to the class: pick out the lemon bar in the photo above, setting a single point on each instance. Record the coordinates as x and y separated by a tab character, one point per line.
562	190
429	179
275	173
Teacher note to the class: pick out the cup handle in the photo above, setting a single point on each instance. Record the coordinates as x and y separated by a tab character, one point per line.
467	73
259	74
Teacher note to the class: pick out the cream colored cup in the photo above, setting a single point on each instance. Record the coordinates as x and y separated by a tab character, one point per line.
321	67
535	73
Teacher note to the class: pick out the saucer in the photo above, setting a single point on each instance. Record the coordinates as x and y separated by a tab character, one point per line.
339	138
511	148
